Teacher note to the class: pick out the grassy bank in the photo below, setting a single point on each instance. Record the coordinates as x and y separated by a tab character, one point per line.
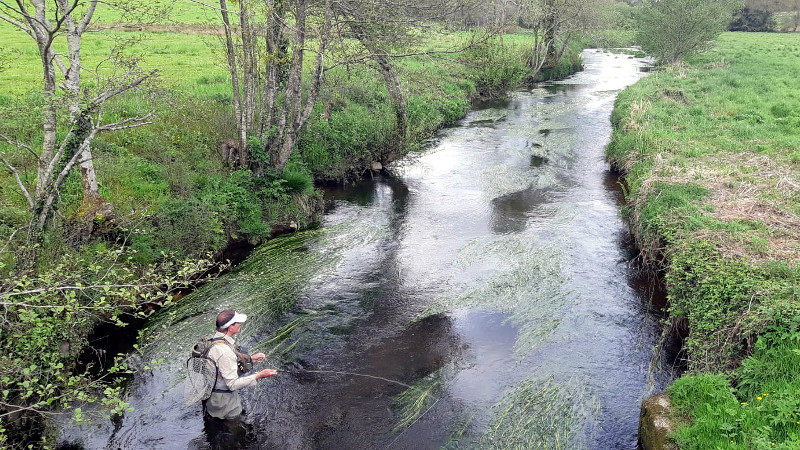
711	153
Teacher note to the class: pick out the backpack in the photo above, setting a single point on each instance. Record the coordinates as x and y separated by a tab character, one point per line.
202	371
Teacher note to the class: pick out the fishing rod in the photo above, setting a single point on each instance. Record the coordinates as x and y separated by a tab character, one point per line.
364	375
337	372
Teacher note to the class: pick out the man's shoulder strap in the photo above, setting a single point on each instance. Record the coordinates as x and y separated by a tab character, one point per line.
202	348
217	340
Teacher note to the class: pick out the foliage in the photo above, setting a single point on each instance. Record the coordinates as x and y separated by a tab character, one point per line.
749	19
346	142
47	316
496	67
728	302
672	30
568	64
620	28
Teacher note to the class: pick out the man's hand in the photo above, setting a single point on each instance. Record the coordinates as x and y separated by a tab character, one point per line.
258	357
266	373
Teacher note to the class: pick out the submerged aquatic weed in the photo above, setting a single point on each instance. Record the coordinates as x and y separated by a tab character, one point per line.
417	400
267	284
279	345
490	115
536	414
530	288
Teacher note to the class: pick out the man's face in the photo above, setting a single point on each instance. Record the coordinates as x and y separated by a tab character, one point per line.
235	328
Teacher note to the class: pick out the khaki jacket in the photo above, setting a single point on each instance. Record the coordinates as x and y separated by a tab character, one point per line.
226	405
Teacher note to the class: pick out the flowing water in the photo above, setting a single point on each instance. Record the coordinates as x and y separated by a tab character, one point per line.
480	296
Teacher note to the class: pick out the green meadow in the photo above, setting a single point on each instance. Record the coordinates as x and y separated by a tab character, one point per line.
711	149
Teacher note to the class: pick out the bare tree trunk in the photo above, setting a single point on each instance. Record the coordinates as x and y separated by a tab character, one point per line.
295	117
551	28
72	83
390	78
397	98
237	99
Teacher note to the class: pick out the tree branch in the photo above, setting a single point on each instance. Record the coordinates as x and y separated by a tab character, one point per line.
29	306
216	8
20	145
21	185
111	92
131	122
12	409
11	239
5	17
65	288
87	17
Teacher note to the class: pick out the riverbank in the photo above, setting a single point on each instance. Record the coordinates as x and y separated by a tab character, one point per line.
710	150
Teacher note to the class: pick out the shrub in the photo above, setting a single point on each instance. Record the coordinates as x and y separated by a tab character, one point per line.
495	68
751	19
299	179
672	30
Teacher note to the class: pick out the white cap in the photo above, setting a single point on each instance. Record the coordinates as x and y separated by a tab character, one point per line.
237	318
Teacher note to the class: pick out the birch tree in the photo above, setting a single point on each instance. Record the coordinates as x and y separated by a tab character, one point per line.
268	98
267	47
72	115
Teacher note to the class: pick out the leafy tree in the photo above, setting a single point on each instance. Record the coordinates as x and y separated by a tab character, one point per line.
753	20
268	43
672	30
554	23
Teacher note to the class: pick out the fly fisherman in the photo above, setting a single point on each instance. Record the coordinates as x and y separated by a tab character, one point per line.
224	402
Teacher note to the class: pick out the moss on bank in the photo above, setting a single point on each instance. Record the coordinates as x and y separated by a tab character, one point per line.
711	155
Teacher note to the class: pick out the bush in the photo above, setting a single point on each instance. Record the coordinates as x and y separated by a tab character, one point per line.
495	68
299	179
348	141
672	30
753	20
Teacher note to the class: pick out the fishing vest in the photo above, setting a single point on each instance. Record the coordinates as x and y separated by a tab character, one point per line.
244	363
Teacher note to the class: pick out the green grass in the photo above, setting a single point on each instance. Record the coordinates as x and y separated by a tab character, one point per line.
709	148
761	412
183	60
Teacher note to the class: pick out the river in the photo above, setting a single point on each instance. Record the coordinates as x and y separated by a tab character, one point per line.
479	295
